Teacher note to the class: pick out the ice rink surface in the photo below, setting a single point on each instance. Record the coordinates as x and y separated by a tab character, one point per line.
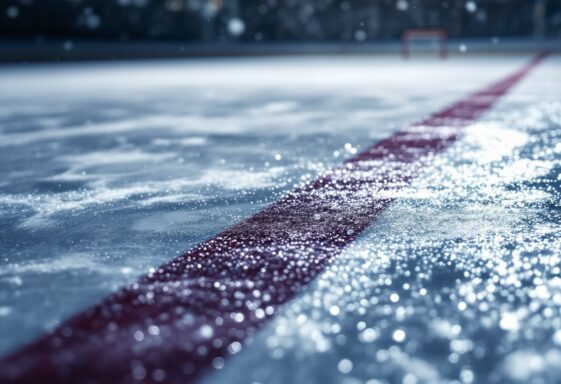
110	169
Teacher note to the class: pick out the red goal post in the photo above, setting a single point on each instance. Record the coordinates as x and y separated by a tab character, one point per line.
438	34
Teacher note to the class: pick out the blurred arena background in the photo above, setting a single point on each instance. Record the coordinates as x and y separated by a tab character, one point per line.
74	29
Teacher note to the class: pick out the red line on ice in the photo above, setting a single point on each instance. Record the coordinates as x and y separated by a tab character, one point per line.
172	325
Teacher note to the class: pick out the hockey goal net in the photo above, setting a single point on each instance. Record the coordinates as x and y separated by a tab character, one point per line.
424	41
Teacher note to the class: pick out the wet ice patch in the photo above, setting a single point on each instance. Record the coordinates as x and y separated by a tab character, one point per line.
62	263
462	222
46	206
187	221
274	108
174	198
113	157
194	141
86	129
105	164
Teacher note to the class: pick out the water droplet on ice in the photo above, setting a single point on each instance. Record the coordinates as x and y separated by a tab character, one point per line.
206	331
345	366
399	335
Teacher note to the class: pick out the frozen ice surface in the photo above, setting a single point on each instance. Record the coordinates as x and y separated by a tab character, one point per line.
111	169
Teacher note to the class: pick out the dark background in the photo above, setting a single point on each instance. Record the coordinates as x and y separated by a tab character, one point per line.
273	20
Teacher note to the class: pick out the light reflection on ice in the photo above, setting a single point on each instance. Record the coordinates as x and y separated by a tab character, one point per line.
458	280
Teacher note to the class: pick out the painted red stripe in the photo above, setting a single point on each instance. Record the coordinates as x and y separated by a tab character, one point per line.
173	324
